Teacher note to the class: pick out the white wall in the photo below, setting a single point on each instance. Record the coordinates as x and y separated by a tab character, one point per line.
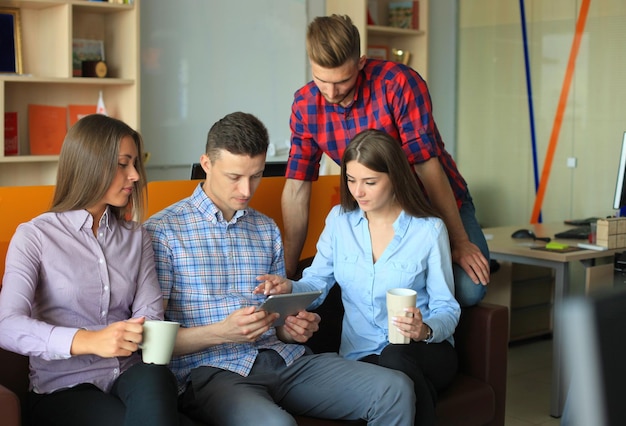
201	60
442	67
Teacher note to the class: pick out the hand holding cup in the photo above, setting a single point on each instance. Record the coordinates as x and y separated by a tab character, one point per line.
397	300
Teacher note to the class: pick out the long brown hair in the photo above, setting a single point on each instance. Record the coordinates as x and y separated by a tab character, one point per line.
381	153
88	163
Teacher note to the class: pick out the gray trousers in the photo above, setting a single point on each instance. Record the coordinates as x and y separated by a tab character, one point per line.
324	386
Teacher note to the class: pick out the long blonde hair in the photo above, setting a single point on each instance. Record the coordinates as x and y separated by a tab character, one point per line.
88	163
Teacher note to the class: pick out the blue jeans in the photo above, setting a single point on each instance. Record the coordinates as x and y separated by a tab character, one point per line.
467	293
324	386
145	394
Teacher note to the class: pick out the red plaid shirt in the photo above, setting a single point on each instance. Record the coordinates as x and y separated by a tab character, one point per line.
388	96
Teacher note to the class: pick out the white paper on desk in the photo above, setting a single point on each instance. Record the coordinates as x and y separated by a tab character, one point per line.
530	244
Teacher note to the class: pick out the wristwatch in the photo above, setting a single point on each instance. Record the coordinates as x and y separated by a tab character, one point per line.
429	333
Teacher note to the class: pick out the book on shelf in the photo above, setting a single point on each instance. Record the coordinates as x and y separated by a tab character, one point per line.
404	14
76	112
47	126
372	12
378	52
11	141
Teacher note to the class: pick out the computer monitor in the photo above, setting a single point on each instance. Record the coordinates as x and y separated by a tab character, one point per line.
197	172
272	168
594	348
620	187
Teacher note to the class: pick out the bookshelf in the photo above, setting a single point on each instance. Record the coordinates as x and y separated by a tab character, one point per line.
47	30
413	41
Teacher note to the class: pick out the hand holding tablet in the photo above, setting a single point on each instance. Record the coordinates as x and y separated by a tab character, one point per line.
288	304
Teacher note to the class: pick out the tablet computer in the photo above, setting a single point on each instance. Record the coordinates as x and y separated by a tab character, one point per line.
288	304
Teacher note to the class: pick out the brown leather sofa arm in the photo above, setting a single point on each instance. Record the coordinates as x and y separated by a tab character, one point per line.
9	407
481	339
13	386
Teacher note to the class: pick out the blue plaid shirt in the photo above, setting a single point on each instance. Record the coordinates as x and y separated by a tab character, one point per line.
207	268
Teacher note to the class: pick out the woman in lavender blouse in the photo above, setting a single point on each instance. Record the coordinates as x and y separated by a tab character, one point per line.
79	283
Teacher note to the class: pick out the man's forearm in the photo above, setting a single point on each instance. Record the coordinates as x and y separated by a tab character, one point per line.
295	208
196	339
441	197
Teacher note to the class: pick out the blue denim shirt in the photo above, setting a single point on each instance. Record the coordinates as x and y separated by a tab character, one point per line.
418	257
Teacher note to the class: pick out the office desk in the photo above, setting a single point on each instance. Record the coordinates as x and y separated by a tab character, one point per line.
503	247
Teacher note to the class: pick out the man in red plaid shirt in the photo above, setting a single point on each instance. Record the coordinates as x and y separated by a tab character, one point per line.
350	93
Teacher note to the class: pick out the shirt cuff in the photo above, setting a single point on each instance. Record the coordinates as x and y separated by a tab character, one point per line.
60	343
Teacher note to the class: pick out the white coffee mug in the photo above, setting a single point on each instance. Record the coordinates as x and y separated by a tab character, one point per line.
397	300
159	338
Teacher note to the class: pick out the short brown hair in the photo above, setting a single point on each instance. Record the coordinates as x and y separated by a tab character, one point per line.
88	163
333	40
239	133
379	152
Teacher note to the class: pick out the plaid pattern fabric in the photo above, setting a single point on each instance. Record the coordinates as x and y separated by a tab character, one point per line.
207	268
388	96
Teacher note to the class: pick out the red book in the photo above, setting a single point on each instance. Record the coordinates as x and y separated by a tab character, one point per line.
47	126
11	142
415	19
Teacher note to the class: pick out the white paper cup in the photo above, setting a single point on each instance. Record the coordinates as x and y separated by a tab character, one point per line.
397	300
158	341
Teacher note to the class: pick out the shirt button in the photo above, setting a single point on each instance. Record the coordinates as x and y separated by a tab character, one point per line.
104	313
100	234
115	370
101	261
106	288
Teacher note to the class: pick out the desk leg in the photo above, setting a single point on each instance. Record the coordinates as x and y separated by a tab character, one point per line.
561	288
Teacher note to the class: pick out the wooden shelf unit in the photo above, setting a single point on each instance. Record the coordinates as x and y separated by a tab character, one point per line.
47	30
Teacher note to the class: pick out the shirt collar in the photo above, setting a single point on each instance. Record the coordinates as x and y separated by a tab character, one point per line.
83	219
207	207
399	226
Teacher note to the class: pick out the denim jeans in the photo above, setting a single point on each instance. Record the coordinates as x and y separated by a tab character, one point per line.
323	385
467	293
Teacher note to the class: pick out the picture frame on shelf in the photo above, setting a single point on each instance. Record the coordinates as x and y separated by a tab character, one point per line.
10	41
378	52
85	50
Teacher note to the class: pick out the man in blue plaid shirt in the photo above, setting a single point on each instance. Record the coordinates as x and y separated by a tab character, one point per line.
232	365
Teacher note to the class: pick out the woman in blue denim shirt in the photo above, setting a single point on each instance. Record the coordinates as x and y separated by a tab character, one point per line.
386	235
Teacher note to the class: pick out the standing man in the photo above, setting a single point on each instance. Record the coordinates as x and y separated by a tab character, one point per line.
233	366
350	93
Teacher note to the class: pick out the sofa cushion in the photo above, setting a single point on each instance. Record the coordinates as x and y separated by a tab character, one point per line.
466	402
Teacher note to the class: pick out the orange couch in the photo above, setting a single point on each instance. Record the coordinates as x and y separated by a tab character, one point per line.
476	397
19	204
324	195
